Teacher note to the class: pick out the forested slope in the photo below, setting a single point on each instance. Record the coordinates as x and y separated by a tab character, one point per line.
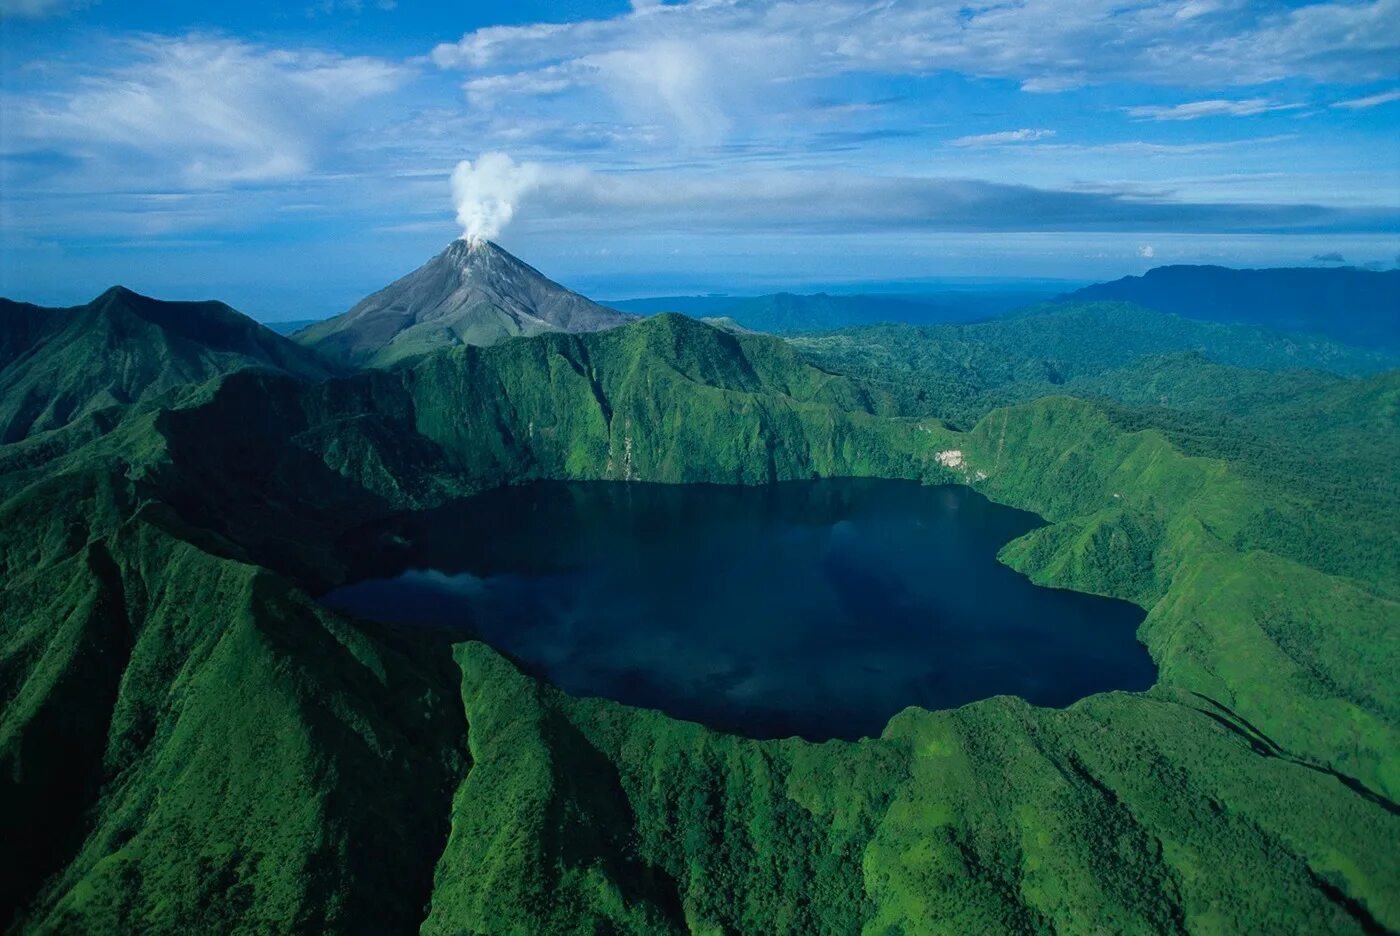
190	743
57	365
959	372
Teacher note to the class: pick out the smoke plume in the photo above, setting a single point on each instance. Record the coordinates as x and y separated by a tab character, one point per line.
486	193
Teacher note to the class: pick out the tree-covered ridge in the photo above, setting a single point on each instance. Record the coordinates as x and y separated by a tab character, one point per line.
57	365
959	372
190	742
669	399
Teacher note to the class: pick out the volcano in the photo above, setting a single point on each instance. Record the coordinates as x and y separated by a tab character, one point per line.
472	293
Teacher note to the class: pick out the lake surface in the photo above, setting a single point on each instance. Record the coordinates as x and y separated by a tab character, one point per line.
817	609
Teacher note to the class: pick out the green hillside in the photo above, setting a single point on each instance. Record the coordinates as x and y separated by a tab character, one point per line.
57	365
1319	441
190	743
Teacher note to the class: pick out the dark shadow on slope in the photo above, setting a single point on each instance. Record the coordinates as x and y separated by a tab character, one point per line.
1265	747
52	778
591	821
391	782
1353	908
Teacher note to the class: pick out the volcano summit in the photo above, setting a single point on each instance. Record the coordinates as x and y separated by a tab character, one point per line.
472	293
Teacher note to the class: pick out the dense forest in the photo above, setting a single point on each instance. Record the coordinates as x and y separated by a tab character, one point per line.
190	742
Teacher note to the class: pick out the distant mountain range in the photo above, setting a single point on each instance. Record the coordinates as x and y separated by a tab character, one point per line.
470	294
792	314
1359	307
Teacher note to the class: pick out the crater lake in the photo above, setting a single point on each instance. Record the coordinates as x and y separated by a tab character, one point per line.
813	608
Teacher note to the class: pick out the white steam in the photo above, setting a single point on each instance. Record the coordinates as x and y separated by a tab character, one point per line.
486	193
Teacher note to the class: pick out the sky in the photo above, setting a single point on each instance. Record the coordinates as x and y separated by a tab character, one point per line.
291	157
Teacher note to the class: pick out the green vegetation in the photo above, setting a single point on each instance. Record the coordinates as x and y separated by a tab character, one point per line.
960	372
1319	442
190	743
57	365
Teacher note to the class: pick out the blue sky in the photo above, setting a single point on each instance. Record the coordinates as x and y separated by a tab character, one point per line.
291	157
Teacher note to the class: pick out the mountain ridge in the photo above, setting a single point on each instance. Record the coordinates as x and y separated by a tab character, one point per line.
57	364
1348	304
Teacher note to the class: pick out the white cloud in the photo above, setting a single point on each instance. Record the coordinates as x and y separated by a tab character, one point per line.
703	63
667	79
1373	100
1133	149
483	91
481	48
1331	42
211	110
1147	251
1194	110
731	100
1006	136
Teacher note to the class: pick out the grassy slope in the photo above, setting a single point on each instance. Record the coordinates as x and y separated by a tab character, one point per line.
246	759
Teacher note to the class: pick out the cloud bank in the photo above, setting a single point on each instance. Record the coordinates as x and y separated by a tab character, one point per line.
713	118
208	110
689	59
817	202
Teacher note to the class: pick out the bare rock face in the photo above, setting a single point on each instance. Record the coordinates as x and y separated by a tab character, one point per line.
471	293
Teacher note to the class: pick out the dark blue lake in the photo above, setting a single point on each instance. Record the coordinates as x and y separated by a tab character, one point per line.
817	609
